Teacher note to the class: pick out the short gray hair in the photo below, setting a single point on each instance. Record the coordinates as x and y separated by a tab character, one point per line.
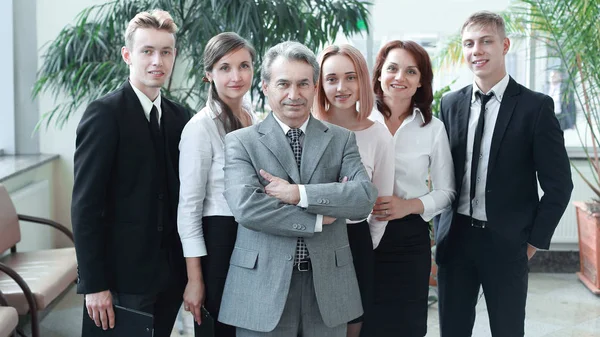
290	50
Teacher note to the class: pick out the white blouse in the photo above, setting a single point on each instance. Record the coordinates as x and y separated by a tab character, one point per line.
423	153
376	148
201	161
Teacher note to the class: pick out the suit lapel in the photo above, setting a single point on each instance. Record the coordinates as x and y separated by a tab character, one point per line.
507	107
316	141
271	136
463	106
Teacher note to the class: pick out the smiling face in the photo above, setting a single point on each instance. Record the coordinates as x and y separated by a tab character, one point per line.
400	76
340	82
232	75
290	90
483	50
150	59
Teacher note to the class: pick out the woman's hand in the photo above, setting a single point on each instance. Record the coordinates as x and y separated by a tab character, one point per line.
193	299
393	207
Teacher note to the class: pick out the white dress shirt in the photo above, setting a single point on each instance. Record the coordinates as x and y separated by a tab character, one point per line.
147	103
491	115
201	161
423	153
303	197
376	147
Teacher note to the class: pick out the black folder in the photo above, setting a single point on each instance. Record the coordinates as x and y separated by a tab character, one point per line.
207	328
128	323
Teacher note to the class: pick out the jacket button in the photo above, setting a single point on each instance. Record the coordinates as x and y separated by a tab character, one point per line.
295	226
160	196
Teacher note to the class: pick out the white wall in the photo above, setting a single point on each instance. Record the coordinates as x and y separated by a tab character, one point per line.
395	18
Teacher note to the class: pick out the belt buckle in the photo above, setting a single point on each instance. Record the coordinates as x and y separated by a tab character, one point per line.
305	263
477	223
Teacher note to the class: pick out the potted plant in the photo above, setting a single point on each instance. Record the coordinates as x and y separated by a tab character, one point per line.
569	29
84	61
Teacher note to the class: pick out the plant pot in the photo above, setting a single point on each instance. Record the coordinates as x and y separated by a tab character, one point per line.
588	227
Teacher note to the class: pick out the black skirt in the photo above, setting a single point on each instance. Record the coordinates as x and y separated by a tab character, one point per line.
402	268
220	233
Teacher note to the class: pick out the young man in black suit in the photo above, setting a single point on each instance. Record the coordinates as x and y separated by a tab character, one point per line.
126	186
498	220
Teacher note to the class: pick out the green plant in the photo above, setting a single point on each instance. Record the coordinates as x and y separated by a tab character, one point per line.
437	98
570	30
84	61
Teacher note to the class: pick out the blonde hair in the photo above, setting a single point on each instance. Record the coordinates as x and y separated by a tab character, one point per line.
365	95
157	19
484	19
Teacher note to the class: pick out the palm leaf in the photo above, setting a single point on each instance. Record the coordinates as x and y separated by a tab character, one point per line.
84	61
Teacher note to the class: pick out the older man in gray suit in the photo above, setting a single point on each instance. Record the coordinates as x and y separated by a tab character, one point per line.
291	181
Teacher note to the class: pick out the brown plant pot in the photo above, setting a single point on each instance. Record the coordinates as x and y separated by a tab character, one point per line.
588	227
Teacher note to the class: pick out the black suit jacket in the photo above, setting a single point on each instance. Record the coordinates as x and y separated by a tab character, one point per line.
527	142
116	192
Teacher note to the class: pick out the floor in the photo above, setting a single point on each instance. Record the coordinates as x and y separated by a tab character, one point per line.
558	305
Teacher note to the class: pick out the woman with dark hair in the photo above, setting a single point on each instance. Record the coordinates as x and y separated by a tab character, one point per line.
423	188
344	98
206	226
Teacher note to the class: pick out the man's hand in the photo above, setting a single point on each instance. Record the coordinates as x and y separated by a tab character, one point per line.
390	208
100	309
193	299
531	250
327	220
281	189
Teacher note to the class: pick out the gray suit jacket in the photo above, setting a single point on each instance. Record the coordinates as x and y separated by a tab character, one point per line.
261	264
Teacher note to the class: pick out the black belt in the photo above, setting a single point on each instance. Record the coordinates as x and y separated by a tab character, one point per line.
303	265
477	223
465	219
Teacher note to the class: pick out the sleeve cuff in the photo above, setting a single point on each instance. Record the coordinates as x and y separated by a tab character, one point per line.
193	247
304	199
319	223
428	207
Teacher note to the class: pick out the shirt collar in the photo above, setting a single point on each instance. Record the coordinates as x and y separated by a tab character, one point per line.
147	103
498	89
416	114
378	116
286	128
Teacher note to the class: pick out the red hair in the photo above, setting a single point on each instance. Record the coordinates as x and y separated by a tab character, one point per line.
423	98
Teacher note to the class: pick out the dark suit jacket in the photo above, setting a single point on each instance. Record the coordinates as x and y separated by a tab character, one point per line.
527	141
115	193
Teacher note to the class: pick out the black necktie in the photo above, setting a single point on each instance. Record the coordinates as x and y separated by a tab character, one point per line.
294	136
484	99
154	120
